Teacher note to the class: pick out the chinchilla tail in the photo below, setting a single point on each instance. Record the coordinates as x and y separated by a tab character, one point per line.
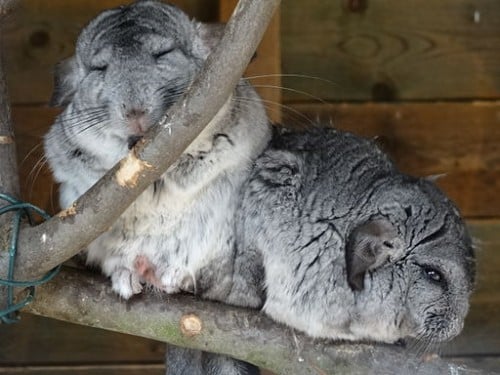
182	361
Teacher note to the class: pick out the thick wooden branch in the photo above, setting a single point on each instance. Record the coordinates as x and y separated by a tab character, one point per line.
80	297
9	179
49	244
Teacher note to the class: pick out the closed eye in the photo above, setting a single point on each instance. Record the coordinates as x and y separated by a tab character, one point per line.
99	68
162	53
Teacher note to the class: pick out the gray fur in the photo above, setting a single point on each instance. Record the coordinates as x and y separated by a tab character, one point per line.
182	361
352	248
131	63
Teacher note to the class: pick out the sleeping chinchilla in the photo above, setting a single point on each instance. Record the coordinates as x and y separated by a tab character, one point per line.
131	63
344	246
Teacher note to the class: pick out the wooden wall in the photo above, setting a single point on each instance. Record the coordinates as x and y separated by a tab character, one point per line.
423	76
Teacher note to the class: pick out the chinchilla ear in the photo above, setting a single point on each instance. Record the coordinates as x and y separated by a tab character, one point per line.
208	36
369	246
67	76
280	168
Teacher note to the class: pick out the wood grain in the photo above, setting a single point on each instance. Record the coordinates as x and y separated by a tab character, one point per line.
391	49
41	341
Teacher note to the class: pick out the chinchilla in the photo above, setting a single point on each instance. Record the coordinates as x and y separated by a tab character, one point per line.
131	63
334	241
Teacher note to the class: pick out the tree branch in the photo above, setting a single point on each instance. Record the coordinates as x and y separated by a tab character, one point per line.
77	296
9	178
49	244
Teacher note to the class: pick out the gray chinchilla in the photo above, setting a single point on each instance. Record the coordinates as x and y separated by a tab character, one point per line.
350	247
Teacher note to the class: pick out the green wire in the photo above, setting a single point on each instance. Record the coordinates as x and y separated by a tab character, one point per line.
23	209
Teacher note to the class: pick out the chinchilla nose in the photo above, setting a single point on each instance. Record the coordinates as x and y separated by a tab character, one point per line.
137	120
135	113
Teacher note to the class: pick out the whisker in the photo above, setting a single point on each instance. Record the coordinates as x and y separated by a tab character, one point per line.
34	174
422	345
76	121
293	118
305	93
95	124
292	75
83	113
37	146
282	106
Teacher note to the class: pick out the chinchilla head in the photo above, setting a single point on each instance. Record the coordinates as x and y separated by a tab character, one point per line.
409	258
131	63
354	249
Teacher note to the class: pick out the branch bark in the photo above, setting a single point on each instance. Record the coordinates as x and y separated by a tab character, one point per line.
77	296
9	178
43	247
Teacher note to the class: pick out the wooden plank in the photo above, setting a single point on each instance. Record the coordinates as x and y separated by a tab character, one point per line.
42	341
392	49
460	140
42	32
85	370
264	71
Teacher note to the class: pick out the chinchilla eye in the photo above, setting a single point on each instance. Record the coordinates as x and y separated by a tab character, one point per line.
163	52
433	274
99	68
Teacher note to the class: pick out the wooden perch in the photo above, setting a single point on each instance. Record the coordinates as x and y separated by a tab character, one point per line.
79	297
43	247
